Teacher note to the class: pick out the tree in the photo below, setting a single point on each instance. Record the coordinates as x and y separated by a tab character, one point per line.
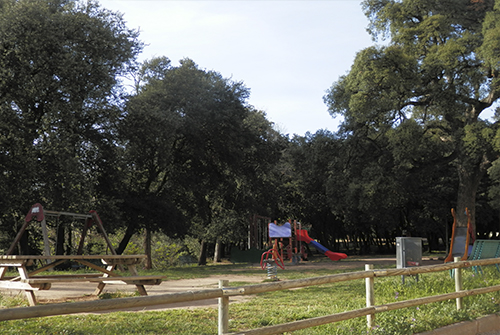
191	140
307	165
148	135
440	71
59	67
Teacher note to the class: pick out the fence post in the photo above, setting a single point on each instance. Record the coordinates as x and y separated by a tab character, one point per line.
223	323
458	283
370	296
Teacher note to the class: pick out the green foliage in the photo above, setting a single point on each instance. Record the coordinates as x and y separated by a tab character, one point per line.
184	322
494	190
192	245
133	249
12	302
166	252
193	149
58	81
185	155
424	92
117	295
166	255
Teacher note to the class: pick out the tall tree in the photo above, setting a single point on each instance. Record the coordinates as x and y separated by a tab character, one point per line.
192	140
439	69
59	67
148	134
312	162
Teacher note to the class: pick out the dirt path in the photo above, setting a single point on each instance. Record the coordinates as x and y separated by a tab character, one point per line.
62	292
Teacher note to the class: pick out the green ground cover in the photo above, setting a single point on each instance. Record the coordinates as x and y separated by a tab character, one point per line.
285	306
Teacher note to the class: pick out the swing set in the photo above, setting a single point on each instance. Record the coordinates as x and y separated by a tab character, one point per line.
39	214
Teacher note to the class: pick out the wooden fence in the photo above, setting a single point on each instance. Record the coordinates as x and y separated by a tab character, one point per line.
223	293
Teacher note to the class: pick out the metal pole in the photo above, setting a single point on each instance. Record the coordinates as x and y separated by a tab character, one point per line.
223	324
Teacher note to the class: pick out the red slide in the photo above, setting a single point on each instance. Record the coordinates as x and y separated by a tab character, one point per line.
303	236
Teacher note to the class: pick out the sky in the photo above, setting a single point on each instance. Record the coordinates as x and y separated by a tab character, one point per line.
288	53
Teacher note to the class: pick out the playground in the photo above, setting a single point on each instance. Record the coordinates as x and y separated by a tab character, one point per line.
287	244
36	279
285	264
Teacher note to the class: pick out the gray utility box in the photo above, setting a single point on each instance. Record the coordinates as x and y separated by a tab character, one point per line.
408	252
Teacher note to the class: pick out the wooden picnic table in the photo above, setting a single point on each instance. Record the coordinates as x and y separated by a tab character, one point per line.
31	281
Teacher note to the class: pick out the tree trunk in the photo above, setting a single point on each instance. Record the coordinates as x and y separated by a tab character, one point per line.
126	238
69	249
24	245
218	251
202	259
60	239
469	178
147	249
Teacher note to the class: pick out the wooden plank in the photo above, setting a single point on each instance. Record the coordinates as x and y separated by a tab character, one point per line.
98	268
142	282
79	275
100	286
223	316
74	215
46	267
131	261
131	279
341	277
100	227
370	296
139	285
45	233
18	237
107	304
13	263
16	285
458	284
29	293
137	282
317	321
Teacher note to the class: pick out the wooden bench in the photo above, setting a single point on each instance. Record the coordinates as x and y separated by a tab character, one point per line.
483	249
131	280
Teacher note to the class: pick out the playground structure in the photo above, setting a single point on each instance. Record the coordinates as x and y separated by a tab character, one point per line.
273	258
39	214
32	281
303	236
462	239
285	242
257	232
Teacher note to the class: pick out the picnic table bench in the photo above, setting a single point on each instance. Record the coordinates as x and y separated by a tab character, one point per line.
30	281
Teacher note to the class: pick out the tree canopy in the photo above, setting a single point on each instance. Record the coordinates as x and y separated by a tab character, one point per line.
192	140
438	71
186	154
59	67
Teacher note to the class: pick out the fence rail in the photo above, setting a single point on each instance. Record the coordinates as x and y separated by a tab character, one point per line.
223	293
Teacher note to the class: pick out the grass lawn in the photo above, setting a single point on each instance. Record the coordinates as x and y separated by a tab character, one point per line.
285	306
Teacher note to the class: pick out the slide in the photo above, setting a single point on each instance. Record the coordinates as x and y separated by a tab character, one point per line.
303	236
461	240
